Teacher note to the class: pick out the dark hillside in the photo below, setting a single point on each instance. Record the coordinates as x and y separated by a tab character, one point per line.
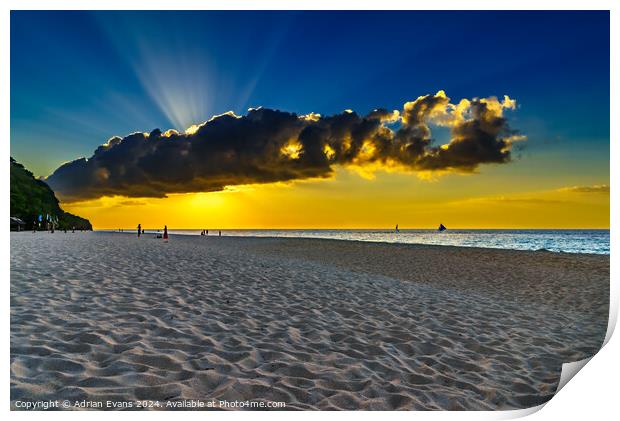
31	197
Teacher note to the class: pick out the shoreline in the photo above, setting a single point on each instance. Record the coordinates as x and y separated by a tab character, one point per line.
172	232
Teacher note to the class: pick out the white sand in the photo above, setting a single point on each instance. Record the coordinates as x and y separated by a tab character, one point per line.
317	324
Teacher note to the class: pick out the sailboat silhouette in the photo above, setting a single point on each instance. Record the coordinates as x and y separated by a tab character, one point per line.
441	228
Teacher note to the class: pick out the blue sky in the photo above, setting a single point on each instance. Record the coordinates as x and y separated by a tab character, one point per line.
79	78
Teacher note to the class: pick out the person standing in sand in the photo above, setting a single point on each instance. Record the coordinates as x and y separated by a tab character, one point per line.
139	230
165	232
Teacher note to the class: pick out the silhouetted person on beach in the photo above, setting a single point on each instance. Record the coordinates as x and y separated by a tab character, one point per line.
139	230
165	232
220	234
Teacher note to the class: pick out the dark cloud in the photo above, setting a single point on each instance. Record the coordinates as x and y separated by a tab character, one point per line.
130	203
269	145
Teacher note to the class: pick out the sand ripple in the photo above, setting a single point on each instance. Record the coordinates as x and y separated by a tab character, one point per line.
107	316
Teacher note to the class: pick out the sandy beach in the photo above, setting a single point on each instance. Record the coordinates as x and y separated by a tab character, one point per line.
316	324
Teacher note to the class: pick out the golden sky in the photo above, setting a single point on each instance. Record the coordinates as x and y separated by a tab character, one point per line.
377	200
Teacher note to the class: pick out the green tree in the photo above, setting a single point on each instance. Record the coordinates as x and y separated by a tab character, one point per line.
31	197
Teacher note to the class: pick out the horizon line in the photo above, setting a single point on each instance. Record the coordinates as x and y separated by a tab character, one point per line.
349	229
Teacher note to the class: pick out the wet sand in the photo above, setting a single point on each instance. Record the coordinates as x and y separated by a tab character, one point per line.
317	324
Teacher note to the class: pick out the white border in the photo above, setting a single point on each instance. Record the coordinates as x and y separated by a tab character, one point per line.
306	5
591	394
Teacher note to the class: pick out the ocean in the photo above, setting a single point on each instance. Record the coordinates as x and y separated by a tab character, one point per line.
566	241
